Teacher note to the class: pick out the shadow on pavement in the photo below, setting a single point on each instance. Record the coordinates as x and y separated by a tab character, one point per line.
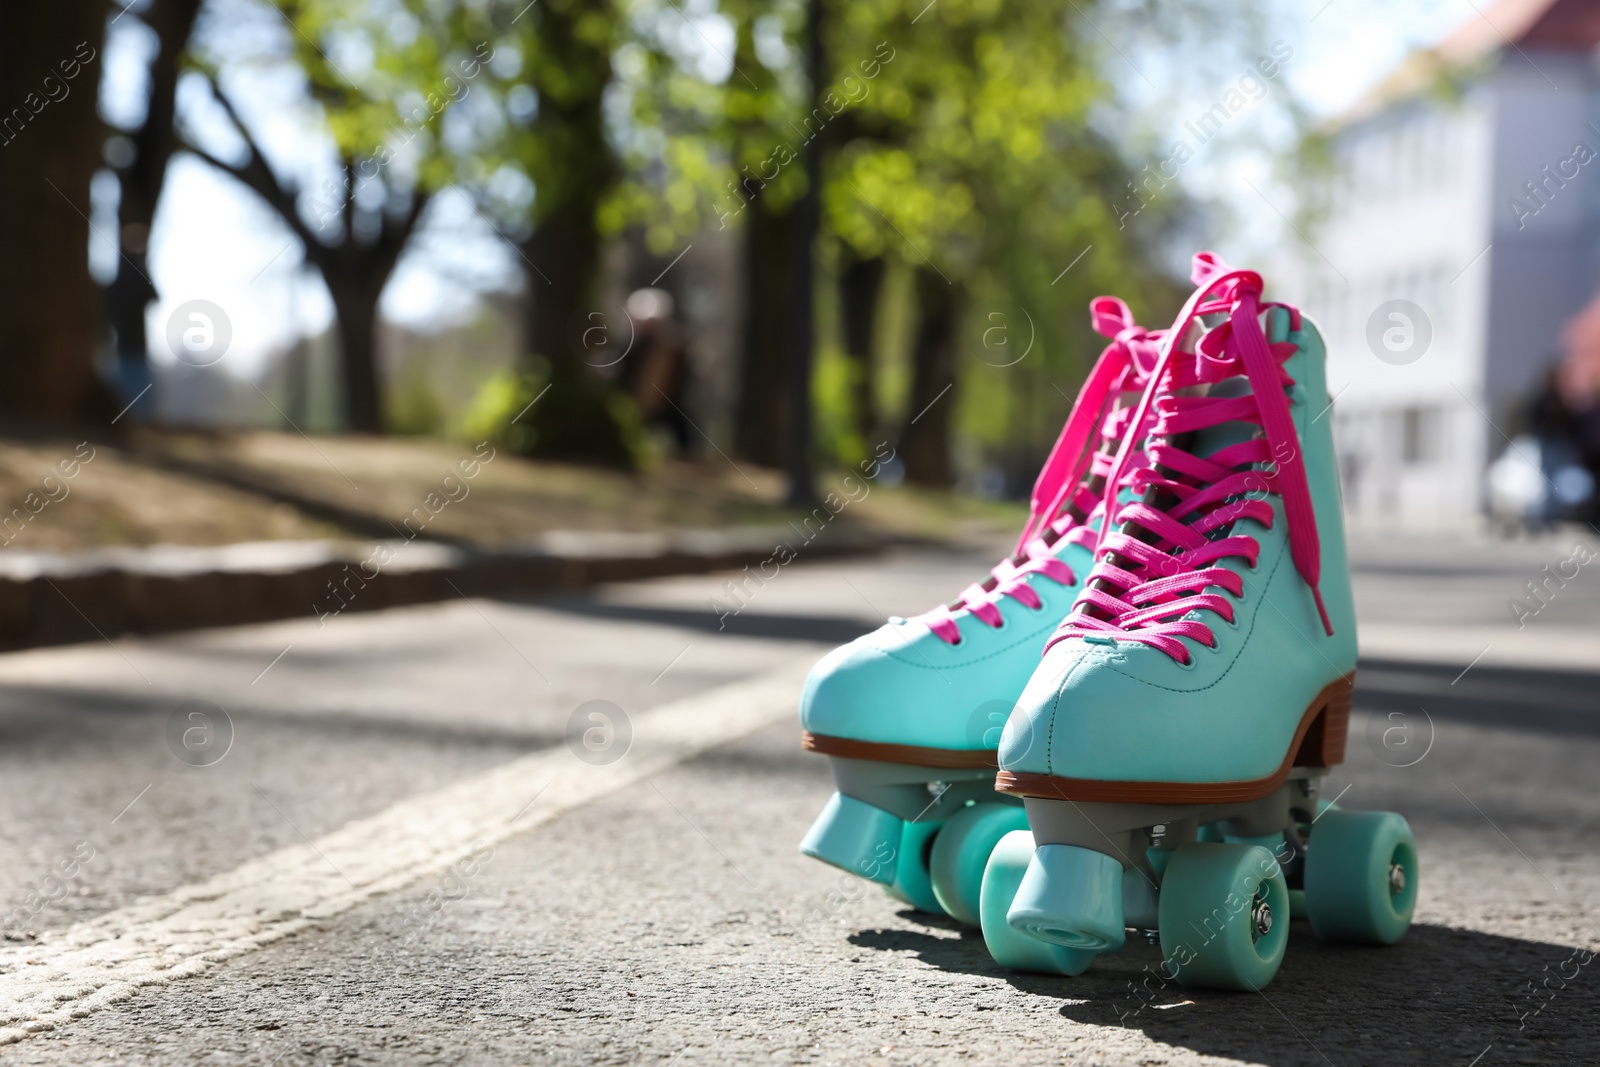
1550	701
45	717
1441	996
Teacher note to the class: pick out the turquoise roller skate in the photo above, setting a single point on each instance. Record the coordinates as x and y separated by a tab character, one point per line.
910	715
1171	745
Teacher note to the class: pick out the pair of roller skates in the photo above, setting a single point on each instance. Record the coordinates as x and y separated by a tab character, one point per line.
1127	725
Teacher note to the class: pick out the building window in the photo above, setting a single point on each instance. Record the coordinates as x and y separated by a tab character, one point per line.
1419	435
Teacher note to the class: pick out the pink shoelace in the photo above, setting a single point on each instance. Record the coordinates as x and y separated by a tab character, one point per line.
1063	489
1141	586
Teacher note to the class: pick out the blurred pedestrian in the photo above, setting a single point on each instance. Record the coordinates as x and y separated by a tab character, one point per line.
656	372
1548	415
1578	384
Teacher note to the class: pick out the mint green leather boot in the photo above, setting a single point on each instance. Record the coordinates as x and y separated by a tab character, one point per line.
910	715
1204	675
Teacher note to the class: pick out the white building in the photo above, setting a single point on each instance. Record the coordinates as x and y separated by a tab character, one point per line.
1469	185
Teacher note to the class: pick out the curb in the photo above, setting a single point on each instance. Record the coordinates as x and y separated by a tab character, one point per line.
61	598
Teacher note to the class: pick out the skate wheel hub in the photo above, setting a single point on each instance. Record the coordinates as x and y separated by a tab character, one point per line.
1261	919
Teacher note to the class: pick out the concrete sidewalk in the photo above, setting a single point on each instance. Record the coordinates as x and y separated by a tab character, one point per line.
49	598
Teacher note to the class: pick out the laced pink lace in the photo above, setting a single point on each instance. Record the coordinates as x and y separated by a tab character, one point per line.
1063	489
1141	586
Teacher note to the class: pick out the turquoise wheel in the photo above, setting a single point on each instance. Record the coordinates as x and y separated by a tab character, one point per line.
1361	876
1008	862
1224	916
961	852
912	883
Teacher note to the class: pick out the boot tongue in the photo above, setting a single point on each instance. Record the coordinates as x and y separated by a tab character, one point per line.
1207	441
1213	439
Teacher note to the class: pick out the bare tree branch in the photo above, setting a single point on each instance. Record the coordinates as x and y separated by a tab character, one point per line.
255	174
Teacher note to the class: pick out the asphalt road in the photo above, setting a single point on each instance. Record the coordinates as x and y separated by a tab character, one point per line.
671	920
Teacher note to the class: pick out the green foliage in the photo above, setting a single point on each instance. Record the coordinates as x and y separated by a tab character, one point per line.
973	151
385	75
966	136
834	409
414	406
688	141
571	409
959	136
497	403
562	53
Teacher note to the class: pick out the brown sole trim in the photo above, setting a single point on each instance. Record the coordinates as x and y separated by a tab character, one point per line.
1318	742
914	755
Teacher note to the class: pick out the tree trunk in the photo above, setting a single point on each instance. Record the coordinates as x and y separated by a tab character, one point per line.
141	181
574	421
860	292
354	268
801	350
50	145
355	304
761	415
926	439
565	253
578	419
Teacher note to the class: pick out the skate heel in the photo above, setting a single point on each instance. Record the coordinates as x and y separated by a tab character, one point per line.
1323	740
1070	896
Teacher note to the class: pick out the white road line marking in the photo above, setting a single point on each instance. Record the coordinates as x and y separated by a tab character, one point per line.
529	804
69	973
